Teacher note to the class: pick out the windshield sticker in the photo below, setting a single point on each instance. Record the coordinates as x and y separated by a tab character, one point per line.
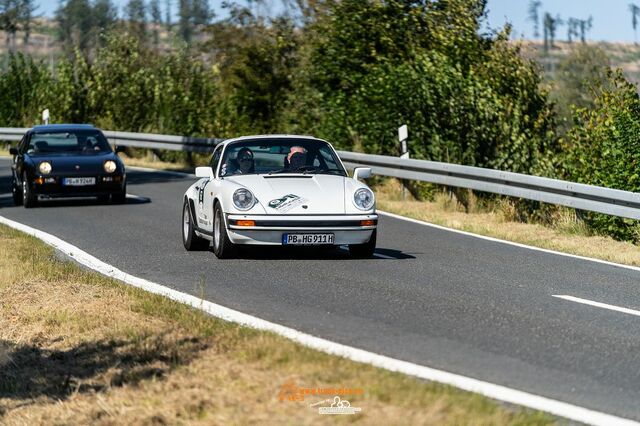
287	202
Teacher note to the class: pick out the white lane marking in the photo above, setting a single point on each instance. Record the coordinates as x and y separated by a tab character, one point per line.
137	197
511	243
490	390
598	304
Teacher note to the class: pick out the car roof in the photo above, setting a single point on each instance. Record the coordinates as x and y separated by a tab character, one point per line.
61	127
277	136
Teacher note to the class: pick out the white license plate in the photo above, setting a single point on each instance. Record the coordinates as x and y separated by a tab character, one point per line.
307	239
82	181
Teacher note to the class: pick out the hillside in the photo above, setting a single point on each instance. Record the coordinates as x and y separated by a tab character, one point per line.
622	55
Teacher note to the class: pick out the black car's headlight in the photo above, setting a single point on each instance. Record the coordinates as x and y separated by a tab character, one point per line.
243	199
44	167
363	199
110	166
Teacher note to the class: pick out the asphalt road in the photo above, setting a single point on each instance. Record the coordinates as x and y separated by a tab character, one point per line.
461	304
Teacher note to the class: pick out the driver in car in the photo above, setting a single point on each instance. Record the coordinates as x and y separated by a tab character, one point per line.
296	158
245	163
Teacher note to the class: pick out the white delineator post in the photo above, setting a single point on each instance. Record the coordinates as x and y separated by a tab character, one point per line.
403	134
45	116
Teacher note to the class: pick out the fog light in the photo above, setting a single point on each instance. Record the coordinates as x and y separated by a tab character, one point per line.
245	223
367	222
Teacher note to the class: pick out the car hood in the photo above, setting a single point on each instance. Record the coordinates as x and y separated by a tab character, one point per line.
75	163
289	194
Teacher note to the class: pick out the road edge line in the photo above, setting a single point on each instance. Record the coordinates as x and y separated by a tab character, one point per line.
490	390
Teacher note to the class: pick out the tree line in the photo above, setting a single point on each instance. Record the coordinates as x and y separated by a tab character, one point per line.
352	72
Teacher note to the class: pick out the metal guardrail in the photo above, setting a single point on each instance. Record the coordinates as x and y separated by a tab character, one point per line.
580	196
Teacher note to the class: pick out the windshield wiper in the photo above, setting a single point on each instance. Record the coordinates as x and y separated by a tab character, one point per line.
329	171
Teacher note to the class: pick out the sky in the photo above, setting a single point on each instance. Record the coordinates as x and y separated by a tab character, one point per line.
611	18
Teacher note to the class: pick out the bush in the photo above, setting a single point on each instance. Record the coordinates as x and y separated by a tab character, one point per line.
603	149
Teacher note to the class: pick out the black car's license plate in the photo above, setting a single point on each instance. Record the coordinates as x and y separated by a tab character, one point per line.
307	239
80	181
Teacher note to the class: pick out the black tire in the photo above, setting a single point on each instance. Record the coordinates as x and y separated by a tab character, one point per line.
189	238
16	192
29	199
366	250
120	197
222	245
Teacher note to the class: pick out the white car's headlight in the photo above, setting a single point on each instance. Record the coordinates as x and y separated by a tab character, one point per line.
363	199
110	166
44	167
243	199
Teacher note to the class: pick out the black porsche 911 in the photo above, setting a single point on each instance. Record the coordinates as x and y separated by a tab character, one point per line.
66	160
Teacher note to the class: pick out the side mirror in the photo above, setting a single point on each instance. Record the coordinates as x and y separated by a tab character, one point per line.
204	172
13	151
120	149
361	173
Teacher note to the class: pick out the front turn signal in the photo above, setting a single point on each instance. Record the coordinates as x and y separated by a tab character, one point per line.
245	223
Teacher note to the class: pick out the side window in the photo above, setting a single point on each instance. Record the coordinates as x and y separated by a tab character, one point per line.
215	159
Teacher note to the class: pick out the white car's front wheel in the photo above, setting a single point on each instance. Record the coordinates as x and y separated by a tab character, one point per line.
222	245
189	238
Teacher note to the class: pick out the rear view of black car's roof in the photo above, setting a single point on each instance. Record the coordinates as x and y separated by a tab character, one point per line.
61	127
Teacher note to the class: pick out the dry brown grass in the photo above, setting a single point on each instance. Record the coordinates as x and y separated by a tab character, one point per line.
567	234
152	162
77	348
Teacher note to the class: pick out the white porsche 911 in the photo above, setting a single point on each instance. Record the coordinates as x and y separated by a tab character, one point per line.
278	190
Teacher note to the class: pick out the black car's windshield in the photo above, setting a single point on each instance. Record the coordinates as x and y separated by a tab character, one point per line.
280	155
80	141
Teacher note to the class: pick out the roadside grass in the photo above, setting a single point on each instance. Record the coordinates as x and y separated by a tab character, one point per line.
565	233
78	348
149	161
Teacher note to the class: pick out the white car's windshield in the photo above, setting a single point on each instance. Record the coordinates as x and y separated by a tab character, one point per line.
285	155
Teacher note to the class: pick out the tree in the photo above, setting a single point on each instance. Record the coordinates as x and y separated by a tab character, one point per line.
136	14
105	15
585	25
534	5
27	8
75	24
200	12
167	14
551	25
573	25
635	12
156	20
470	98
185	23
10	15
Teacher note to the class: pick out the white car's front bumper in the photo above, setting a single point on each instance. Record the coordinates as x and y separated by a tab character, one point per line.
268	229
